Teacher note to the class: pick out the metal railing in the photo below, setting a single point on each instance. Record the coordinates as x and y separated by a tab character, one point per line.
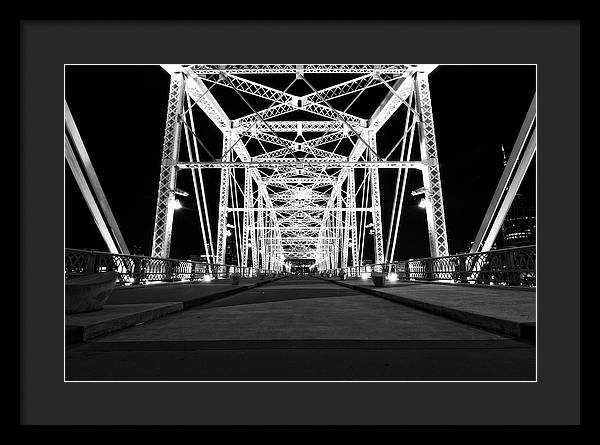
139	269
511	267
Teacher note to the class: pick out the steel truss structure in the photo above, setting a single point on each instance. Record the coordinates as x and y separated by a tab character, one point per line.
307	187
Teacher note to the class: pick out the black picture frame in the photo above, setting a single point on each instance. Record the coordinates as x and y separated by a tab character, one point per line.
47	45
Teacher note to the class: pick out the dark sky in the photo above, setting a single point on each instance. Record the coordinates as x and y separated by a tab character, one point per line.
120	112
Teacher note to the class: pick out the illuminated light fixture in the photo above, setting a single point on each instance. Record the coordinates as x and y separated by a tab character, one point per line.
423	203
228	233
364	276
176	204
393	277
180	192
207	278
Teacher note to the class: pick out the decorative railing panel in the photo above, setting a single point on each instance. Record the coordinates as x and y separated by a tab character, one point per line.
138	269
511	267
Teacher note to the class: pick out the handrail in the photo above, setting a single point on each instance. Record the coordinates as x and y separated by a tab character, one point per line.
140	269
511	266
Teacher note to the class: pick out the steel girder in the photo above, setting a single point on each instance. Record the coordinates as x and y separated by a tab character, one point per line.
376	203
436	220
299	105
223	201
293	69
297	127
321	163
161	242
352	228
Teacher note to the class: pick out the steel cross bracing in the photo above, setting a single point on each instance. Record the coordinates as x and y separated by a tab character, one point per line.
302	188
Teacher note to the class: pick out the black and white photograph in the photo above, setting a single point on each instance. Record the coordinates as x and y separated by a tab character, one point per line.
300	222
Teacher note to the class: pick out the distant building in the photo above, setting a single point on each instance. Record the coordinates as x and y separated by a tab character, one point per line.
518	228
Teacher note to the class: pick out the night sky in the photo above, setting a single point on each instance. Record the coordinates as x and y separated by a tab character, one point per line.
120	112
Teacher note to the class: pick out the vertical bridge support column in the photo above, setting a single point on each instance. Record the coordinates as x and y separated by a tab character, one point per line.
376	201
261	234
345	233
223	200
338	232
436	222
163	224
248	203
351	198
252	224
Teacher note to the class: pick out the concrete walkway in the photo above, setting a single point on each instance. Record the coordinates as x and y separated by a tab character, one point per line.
507	310
301	328
132	305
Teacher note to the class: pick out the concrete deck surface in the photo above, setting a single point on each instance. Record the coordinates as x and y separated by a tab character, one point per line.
288	310
131	305
113	317
508	310
302	328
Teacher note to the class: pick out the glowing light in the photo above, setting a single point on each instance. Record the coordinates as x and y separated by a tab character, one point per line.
393	277
228	232
364	276
423	203
207	278
176	204
302	193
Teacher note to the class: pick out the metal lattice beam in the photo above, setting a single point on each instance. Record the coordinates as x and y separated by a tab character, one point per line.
436	221
161	241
